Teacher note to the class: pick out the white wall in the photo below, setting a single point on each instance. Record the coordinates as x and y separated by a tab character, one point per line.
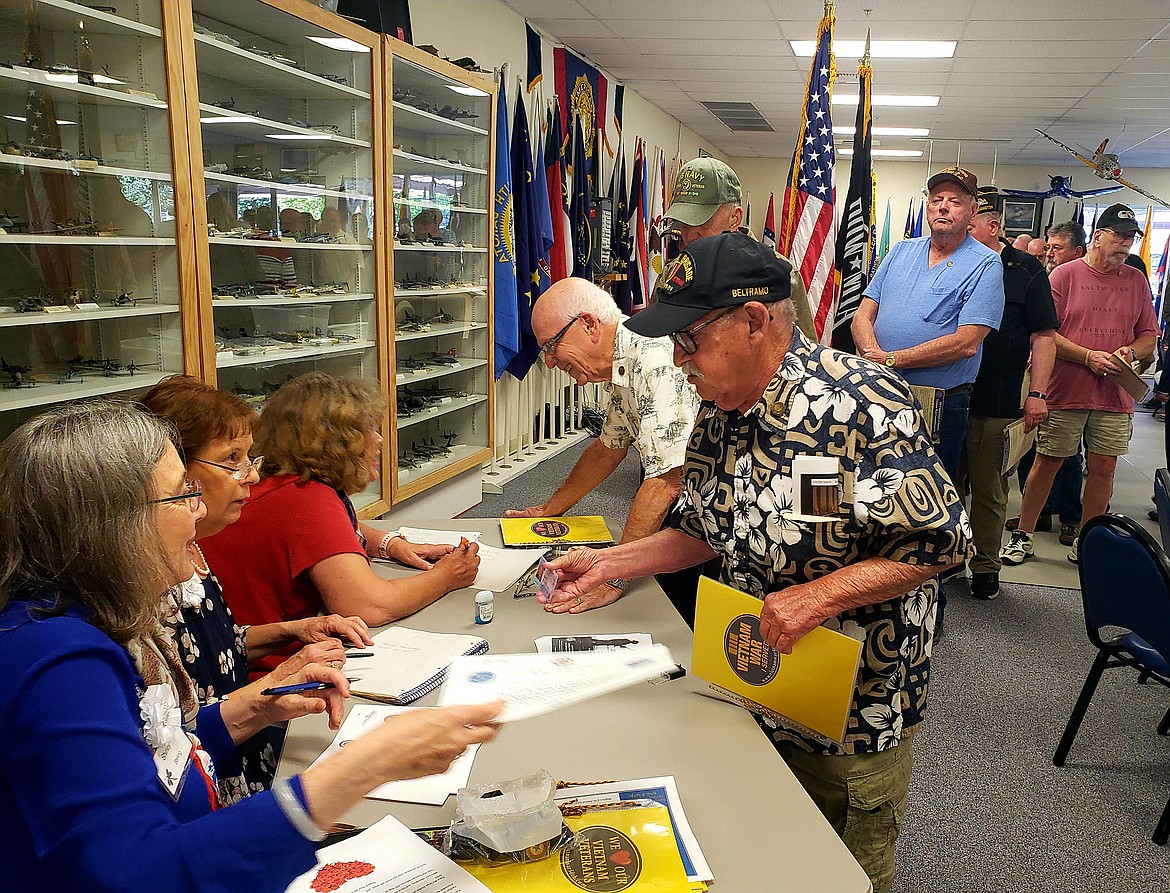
898	181
493	34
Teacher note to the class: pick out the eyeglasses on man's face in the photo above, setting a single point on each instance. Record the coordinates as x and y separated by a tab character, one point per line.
192	495
685	338
240	471
549	347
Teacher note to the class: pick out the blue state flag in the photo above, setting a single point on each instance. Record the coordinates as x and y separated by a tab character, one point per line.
544	220
507	321
529	247
581	198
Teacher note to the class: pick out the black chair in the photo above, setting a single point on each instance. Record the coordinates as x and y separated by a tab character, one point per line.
1125	583
1162	504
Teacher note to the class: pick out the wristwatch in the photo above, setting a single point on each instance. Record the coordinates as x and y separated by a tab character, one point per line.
1040	395
619	585
890	361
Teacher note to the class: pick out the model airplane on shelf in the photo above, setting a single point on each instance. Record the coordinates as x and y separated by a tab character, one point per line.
1061	187
1104	164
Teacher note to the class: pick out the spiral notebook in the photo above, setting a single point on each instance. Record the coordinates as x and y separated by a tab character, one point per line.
405	664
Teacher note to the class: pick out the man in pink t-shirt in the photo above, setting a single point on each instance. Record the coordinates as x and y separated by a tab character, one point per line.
1103	306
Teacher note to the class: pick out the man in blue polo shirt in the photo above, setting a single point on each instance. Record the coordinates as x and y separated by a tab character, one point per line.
932	302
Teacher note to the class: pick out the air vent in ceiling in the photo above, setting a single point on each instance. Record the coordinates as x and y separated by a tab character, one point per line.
739	116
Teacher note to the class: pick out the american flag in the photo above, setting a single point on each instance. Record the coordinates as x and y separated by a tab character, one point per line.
808	229
770	223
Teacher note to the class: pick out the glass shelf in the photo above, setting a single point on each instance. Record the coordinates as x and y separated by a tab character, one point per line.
88	200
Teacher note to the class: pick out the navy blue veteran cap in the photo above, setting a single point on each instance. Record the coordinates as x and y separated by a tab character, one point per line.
1119	218
727	270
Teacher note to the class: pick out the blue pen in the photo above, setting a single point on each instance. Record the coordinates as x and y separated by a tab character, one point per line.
297	688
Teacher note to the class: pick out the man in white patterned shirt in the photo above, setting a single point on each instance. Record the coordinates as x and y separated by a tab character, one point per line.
651	407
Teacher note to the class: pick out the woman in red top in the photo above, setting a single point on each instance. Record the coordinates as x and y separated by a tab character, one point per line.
298	548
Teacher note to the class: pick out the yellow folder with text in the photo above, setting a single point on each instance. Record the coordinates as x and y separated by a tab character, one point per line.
812	687
581	530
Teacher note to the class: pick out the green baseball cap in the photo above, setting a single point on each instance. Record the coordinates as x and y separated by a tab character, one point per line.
702	185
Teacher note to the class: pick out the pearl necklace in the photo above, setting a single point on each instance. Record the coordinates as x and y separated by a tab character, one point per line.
204	571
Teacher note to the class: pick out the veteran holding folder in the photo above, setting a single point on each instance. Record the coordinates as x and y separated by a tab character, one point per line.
866	567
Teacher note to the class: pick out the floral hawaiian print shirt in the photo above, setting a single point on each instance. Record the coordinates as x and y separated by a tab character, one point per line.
897	502
651	404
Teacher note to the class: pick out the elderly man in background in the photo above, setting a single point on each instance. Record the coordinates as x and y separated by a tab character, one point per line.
1104	308
1028	329
770	396
707	200
651	407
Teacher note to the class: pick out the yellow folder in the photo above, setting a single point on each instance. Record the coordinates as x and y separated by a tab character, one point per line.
568	531
812	687
626	849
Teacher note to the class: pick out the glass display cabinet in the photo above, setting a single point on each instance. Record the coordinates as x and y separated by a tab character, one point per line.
289	112
441	160
89	261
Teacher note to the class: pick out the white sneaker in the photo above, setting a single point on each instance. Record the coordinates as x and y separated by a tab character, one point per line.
1073	554
1018	550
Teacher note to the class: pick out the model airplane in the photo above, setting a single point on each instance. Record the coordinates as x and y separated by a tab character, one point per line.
1061	187
1104	164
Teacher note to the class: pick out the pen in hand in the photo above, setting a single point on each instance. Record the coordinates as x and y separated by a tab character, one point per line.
297	688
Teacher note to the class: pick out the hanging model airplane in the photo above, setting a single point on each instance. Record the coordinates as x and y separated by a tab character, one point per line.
1105	165
1061	187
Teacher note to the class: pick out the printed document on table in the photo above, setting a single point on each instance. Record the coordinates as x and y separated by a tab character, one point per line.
431	789
532	684
661	790
385	858
499	568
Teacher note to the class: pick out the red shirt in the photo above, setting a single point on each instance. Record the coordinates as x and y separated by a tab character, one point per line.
262	561
1099	311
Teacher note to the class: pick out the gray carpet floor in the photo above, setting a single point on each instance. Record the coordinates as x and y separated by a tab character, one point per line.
988	811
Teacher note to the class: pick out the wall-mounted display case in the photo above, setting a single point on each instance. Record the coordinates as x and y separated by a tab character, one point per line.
440	126
89	260
289	114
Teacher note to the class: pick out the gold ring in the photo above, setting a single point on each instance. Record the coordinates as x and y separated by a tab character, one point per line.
336	664
579	601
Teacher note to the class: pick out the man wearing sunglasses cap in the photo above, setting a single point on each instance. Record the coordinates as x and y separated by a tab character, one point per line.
706	201
867	567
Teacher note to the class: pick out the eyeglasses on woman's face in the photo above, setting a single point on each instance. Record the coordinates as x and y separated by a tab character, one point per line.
241	470
192	495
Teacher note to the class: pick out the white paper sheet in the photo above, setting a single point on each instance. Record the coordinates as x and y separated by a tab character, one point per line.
532	684
499	568
432	789
386	858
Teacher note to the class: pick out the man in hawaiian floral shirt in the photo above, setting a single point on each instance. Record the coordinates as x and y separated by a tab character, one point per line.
770	395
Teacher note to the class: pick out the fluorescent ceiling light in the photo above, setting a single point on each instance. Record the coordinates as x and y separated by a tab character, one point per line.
849	130
344	44
23	119
886	99
881	49
228	119
303	137
889	153
467	91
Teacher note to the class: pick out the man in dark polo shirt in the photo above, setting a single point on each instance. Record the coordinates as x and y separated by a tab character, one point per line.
1028	328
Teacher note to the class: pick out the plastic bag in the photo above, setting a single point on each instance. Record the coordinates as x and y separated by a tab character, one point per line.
513	821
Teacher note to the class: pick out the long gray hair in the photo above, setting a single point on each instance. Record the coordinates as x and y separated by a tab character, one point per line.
76	526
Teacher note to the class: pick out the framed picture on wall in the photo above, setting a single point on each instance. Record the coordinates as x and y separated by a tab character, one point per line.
1021	215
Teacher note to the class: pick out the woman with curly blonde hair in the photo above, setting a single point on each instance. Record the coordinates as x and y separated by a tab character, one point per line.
298	548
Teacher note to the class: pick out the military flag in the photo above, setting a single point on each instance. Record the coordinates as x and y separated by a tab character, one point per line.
769	238
808	227
535	63
620	246
528	242
582	91
640	244
507	322
909	230
916	231
580	202
884	245
544	219
1160	276
856	241
1144	251
656	186
559	256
